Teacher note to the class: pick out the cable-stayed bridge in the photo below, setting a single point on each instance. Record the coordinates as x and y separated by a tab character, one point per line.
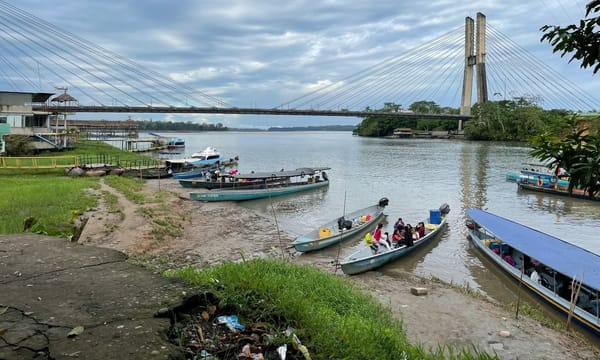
35	56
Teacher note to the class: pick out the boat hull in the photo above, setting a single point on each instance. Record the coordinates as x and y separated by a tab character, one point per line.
519	177
548	190
364	260
313	241
251	194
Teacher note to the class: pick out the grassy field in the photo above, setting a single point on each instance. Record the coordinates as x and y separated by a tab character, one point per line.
46	200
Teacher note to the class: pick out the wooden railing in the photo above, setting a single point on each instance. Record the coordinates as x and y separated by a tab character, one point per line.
39	162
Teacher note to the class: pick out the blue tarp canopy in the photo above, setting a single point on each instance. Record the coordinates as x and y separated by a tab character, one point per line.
555	253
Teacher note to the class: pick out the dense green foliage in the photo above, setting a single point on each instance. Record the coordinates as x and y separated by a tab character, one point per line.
333	318
145	125
582	40
384	126
574	147
517	119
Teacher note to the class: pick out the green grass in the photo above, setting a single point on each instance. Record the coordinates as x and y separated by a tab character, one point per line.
332	317
51	203
130	187
112	204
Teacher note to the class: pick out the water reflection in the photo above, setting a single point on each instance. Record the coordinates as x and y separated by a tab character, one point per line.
416	175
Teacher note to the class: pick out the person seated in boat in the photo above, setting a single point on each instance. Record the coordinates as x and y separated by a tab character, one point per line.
396	238
421	229
370	243
377	233
378	238
415	234
399	224
386	238
508	258
408	236
535	276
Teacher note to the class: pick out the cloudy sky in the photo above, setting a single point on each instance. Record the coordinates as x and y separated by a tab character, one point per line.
265	53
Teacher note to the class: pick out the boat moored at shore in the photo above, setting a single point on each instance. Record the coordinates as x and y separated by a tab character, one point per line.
346	227
562	274
366	259
282	183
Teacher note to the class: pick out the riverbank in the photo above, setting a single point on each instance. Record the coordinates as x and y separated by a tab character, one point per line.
214	232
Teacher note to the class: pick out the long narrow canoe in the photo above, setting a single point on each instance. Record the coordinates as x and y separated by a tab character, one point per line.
335	231
251	194
522	251
291	182
364	259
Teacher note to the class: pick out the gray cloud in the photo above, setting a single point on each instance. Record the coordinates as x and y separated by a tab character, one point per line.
264	53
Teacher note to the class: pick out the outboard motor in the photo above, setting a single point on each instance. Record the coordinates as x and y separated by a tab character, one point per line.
347	224
341	222
383	202
445	209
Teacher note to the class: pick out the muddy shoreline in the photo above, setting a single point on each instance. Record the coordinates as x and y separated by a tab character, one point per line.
215	232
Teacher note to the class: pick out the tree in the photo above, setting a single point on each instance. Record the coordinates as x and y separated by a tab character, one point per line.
576	150
582	40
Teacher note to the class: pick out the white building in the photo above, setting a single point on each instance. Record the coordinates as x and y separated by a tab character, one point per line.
17	115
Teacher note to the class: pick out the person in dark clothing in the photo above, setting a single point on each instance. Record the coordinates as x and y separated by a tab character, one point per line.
408	239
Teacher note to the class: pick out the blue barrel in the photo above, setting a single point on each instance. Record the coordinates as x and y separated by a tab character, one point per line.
435	216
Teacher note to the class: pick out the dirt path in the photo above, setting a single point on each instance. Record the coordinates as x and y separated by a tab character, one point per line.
213	232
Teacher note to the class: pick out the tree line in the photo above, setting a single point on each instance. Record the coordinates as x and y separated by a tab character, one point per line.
144	125
516	119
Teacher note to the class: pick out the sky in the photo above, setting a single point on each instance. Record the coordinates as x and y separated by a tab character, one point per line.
265	53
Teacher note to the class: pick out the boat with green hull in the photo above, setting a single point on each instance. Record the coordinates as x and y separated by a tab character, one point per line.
277	183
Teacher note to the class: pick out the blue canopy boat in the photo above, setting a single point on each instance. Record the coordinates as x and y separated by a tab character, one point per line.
291	181
531	172
549	267
364	259
348	226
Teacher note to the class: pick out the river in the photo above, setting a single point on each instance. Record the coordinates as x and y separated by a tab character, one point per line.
416	175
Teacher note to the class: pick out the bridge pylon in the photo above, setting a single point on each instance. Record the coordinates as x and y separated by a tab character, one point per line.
474	56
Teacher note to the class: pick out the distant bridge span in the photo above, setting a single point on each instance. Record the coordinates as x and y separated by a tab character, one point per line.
246	111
